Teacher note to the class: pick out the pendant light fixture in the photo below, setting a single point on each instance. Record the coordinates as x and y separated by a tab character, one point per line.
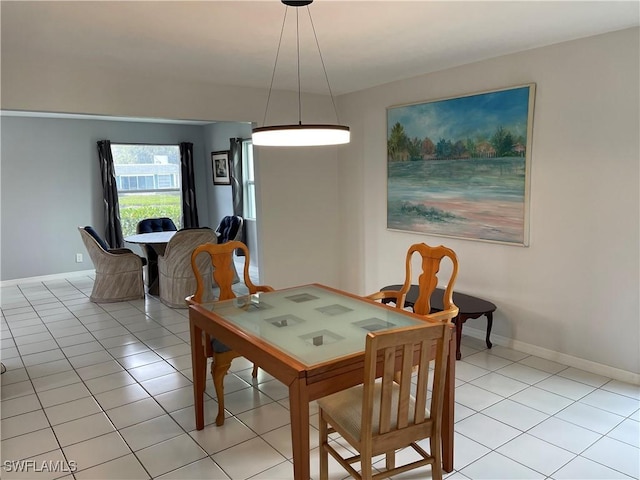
300	135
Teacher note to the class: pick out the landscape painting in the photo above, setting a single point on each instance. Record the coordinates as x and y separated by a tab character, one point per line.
459	167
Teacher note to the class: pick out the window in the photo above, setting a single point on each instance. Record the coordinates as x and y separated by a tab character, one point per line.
148	180
249	186
135	182
166	181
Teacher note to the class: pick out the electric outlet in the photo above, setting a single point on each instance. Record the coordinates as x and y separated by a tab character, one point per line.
78	258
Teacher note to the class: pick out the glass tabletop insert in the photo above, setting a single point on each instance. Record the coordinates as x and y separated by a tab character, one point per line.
309	323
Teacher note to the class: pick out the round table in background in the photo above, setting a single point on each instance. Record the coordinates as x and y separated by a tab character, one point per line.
158	241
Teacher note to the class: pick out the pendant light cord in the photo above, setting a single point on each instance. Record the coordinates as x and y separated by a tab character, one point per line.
323	67
273	75
275	64
299	89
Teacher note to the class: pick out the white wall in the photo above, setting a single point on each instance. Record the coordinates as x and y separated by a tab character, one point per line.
574	291
298	205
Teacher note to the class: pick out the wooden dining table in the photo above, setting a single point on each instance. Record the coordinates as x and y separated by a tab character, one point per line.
311	338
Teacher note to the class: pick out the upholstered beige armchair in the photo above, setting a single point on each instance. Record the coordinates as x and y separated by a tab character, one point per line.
118	271
177	279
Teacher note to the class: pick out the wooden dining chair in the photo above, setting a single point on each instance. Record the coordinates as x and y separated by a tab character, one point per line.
431	259
380	417
224	274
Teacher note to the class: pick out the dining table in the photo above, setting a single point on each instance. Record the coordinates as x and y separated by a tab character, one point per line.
158	241
311	338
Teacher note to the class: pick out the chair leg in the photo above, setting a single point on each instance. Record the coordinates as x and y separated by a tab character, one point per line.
324	455
366	468
254	372
436	467
390	462
219	368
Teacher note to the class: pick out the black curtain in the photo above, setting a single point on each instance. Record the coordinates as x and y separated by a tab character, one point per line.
189	207
112	225
235	156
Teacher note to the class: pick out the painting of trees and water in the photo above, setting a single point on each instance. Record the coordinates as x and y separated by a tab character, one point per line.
459	167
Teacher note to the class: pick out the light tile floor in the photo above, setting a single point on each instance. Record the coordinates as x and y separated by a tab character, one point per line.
107	389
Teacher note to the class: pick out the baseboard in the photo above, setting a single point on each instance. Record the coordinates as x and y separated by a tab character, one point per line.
46	278
576	362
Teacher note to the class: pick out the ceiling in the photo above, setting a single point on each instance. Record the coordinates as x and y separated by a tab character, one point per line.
363	43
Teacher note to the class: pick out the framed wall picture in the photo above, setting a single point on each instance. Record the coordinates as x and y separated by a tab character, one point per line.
220	167
459	167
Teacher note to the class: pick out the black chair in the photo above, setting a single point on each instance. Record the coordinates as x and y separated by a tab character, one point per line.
149	225
230	229
162	224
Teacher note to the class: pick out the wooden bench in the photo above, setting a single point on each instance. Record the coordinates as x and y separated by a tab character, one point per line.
470	307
